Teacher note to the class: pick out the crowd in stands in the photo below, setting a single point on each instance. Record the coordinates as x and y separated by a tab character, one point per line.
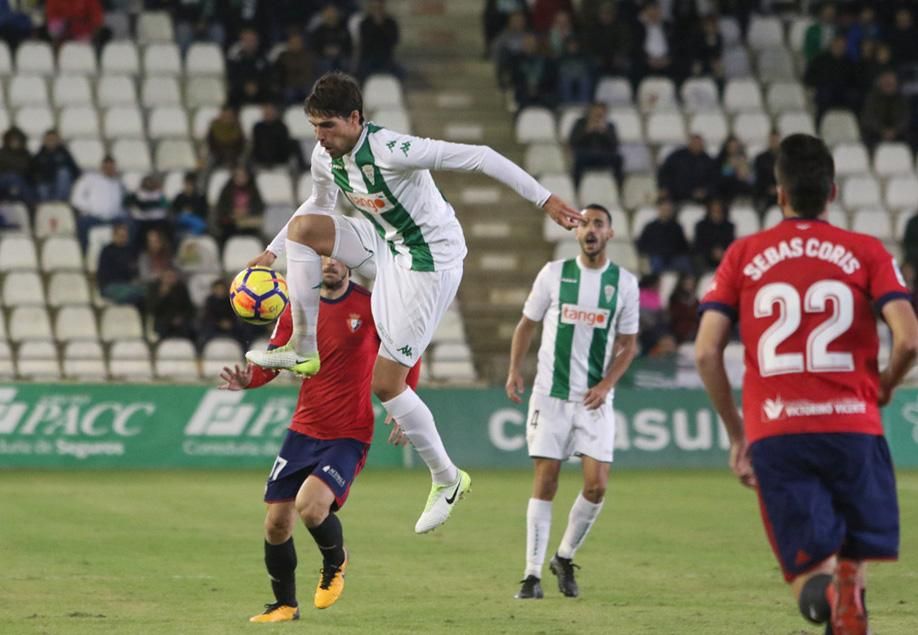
273	51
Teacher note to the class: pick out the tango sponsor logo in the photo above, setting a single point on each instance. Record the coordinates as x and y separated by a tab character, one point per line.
584	316
369	203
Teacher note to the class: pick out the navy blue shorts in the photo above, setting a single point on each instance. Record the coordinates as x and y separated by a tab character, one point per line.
336	461
827	494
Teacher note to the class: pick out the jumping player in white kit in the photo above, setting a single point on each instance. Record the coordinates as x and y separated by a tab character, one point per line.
411	235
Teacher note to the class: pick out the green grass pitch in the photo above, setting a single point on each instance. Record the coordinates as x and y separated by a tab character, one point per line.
180	552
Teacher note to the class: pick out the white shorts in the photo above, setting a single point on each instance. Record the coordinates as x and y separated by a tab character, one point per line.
407	305
557	429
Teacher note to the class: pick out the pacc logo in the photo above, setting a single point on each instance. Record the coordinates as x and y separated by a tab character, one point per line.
584	316
71	415
223	414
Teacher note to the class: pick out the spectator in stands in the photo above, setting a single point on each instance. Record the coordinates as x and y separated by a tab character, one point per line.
576	75
53	169
562	28
765	189
910	241
705	50
653	44
865	28
544	12
272	145
496	18
874	59
735	172
149	209
594	144
15	26
196	20
170	306
15	163
652	315
294	70
663	241
830	74
218	319
688	173
98	198
818	35
683	308
118	273
507	46
156	255
331	41
713	234
378	39
189	207
247	71
533	75
610	40
903	37
886	112
225	138
80	20
240	207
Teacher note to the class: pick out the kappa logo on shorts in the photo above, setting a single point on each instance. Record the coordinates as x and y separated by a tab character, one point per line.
333	473
354	322
406	351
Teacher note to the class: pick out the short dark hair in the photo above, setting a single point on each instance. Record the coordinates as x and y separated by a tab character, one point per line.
602	209
335	94
805	171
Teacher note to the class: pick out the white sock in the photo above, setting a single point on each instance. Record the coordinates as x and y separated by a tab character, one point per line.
304	277
416	420
583	515
538	527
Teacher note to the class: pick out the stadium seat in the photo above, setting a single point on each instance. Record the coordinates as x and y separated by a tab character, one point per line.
901	194
173	182
452	362
451	326
75	323
218	179
29	323
275	188
167	122
199	285
120	57
238	251
711	125
175	154
636	157
745	220
248	117
628	125
552	232
17	252
837	216
160	91
198	254
785	96
204	91
218	353
752	128
76	58
201	121
567	119
131	178
123	122
656	93
640	218
274	219
561	185
598	187
392	118
129	359
18	217
688	216
298	124
729	30
132	154
742	95
54	219
68	288
699	94
839	126
71	90
639	189
543	158
704	283
775	64
84	361
204	58
623	254
304	186
793	122
382	91
38	361
874	221
61	253
119	322
176	360
98	237
860	191
34	57
116	90
736	62
666	128
27	90
850	159
4	116
162	59
892	159
614	91
154	26
34	120
87	153
23	288
6	59
902	219
765	32
79	121
534	124
797	32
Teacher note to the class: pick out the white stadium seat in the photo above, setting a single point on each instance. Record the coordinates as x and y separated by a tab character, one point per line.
785	95
29	323
382	91
6	59
17	252
84	361
775	64
567	119
238	251
130	359
27	90
765	32
175	154
598	187
23	288
167	122
688	216
901	194
116	90
204	58
795	122
711	125
154	26
745	220
162	59
61	253
874	221
699	95
535	124
38	361
123	122
132	154
742	95
79	121
752	128
176	359
839	126
860	191
199	254
220	352
54	219
560	185
87	153
76	58
71	90
543	158
665	128
393	118
298	124
67	288
797	32
119	322
614	91
656	93
98	237
200	123
34	120
205	91
637	190
628	125
120	57
736	62
275	188
160	91
35	58
892	159
850	159
75	323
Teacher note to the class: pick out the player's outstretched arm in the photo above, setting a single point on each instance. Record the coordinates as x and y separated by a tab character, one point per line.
900	316
519	346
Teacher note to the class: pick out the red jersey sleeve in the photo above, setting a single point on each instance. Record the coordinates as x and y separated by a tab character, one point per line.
884	277
283	328
414	375
724	294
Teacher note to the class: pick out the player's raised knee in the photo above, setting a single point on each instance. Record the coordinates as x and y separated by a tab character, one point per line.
314	230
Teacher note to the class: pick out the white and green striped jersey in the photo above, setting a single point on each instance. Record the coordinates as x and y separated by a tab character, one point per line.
387	178
581	310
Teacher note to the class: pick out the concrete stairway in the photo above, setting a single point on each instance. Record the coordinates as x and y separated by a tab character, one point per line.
452	95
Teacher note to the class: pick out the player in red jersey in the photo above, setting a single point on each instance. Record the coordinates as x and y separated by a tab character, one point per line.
810	438
326	444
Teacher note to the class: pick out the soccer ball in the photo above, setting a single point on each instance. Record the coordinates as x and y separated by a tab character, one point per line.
258	295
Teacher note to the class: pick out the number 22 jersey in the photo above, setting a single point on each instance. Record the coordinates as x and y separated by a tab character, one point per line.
805	293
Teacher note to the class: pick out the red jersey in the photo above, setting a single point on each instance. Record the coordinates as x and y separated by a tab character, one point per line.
336	403
805	294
